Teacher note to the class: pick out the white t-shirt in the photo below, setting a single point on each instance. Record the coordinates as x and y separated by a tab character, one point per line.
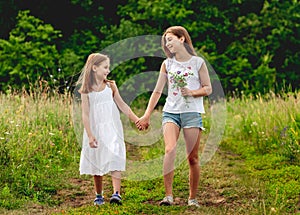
184	72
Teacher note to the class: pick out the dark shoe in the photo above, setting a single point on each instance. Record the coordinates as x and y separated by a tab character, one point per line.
99	200
116	199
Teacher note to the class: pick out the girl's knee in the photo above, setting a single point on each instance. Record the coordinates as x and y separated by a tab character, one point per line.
169	150
193	160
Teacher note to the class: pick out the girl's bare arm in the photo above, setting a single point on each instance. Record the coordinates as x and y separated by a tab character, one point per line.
205	88
85	105
121	104
144	121
156	94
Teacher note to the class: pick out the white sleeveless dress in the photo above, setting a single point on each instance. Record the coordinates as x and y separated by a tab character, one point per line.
106	126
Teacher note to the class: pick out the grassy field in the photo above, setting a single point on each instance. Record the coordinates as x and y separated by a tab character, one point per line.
254	171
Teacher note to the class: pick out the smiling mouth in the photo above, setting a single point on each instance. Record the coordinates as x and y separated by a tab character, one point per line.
170	48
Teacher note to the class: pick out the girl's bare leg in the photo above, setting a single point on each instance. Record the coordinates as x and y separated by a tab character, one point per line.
192	138
116	181
171	134
98	184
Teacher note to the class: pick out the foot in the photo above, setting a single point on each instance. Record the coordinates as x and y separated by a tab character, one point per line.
99	200
116	199
167	201
193	202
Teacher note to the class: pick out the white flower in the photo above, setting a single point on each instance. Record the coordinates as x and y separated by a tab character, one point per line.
254	124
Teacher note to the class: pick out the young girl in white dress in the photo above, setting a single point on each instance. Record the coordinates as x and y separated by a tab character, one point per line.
103	148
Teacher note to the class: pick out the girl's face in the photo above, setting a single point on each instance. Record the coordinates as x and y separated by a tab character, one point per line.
173	43
102	70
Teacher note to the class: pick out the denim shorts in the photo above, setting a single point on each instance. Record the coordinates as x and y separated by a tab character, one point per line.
183	120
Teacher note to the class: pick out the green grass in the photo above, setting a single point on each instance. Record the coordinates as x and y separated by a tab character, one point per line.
255	170
37	148
265	132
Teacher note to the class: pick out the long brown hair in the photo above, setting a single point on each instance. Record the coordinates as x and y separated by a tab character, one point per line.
178	31
87	78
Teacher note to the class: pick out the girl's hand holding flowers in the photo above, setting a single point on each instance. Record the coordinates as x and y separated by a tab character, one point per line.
186	91
178	80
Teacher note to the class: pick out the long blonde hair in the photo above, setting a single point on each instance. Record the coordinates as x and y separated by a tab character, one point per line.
178	31
87	78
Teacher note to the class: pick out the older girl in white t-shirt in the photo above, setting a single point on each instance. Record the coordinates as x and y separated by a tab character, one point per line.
188	81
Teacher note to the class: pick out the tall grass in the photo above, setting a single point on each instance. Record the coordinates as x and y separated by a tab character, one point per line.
267	123
37	144
39	150
265	130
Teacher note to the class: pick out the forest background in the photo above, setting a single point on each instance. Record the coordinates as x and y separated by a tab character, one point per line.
253	46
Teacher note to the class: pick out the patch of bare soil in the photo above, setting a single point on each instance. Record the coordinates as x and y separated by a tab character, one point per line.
80	192
207	198
216	179
220	186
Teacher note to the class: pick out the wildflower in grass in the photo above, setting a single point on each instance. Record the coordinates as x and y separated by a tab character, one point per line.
254	124
284	131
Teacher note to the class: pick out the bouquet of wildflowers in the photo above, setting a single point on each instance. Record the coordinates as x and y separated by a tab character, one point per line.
178	80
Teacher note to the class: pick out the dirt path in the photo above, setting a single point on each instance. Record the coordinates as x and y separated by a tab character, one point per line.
220	187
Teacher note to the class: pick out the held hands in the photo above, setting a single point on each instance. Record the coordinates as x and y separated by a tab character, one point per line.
143	123
93	142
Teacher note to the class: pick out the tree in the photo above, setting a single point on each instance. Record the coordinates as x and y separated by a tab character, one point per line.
268	44
252	45
29	54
